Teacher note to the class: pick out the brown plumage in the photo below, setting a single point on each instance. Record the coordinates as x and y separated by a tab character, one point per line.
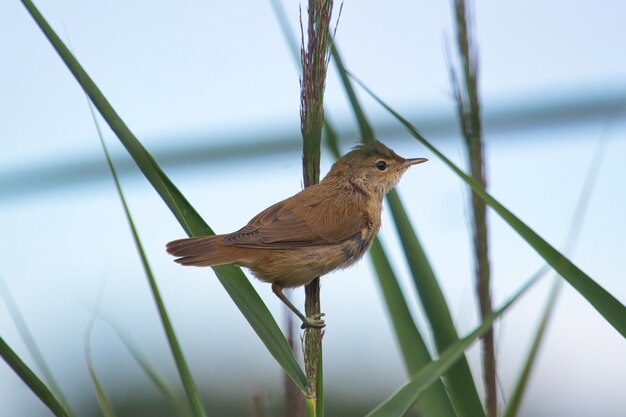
324	227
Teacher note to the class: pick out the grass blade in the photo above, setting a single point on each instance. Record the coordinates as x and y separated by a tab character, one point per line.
232	278
515	400
608	306
31	345
181	408
103	399
403	399
319	392
31	380
179	358
365	128
460	382
435	400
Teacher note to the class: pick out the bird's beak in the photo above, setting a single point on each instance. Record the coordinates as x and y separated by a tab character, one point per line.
413	161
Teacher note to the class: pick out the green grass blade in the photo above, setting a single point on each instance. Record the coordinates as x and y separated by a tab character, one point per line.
179	358
232	278
319	389
460	383
403	399
435	400
184	212
181	408
31	380
103	399
515	400
365	128
608	306
31	345
288	34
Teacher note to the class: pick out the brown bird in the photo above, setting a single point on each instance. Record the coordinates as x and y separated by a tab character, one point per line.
324	227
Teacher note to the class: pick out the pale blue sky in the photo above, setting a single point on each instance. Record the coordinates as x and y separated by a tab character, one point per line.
181	69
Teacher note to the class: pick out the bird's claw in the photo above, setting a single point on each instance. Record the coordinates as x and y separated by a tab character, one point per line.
314	321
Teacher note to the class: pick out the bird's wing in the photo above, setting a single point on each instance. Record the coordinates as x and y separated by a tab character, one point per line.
300	221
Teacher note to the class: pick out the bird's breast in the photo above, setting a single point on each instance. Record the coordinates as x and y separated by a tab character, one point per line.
355	248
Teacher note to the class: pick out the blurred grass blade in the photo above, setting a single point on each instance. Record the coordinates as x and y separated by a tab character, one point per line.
180	207
177	353
288	34
232	278
460	382
103	400
607	305
435	400
181	408
459	379
32	381
403	399
365	129
31	345
515	400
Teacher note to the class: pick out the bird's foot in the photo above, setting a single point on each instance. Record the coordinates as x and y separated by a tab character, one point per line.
314	321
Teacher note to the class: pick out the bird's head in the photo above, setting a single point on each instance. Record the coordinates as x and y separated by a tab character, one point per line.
372	168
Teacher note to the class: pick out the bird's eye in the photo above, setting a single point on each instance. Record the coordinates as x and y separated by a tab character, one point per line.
381	165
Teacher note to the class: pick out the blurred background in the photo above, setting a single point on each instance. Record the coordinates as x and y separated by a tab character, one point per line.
212	91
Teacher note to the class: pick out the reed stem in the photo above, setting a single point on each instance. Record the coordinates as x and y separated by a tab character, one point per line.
468	107
314	55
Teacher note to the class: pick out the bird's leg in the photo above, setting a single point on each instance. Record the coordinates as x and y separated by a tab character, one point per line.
313	321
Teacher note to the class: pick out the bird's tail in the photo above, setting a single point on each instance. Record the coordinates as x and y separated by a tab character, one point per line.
202	251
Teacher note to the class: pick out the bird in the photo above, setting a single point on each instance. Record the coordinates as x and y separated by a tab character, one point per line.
326	226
